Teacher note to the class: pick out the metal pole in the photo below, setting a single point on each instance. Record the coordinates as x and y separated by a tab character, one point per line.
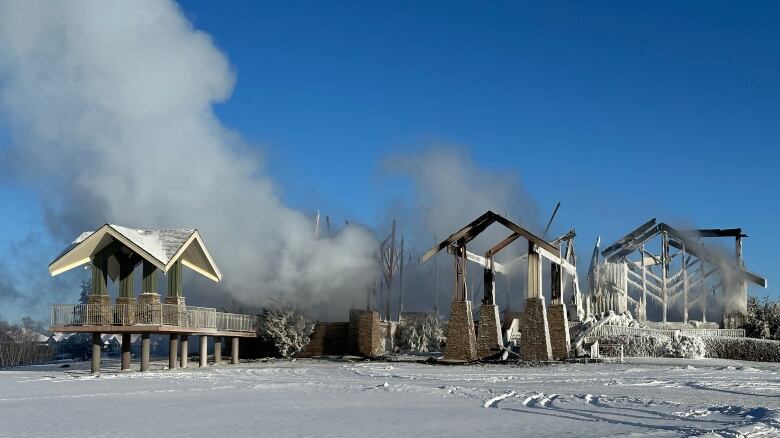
125	352
172	348
97	345
145	347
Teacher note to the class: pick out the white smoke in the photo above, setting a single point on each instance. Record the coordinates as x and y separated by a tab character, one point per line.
451	190
110	110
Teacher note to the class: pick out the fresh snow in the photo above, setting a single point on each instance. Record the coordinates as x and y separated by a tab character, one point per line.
308	397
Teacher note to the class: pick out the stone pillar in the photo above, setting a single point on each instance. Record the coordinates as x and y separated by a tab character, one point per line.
126	343
204	351
534	332
217	350
461	340
172	349
234	350
489	340
184	356
146	343
97	346
365	334
560	341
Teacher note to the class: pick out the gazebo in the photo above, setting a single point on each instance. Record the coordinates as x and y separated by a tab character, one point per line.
114	252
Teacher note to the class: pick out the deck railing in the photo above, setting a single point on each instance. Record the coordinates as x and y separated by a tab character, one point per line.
614	330
233	322
150	314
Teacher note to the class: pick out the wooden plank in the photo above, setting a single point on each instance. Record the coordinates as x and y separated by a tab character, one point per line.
629	238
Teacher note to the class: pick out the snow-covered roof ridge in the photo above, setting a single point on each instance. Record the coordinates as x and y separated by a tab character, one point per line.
161	247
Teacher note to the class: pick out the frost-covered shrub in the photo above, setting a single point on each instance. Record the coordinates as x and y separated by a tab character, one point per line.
289	331
687	347
422	334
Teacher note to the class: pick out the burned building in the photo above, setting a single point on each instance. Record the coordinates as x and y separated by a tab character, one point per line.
657	271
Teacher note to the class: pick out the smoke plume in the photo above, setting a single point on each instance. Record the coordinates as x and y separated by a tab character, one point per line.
109	105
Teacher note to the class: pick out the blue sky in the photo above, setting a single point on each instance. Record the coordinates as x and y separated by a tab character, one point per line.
622	111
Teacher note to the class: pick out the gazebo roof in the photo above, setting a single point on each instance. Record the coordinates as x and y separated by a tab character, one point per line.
162	248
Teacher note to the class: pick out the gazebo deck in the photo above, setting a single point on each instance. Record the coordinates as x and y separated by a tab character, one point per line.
150	318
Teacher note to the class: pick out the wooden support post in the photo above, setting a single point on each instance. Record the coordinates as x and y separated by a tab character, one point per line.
534	284
234	351
703	292
126	279
203	351
461	289
643	315
184	356
174	280
149	282
217	350
172	350
97	346
126	344
685	286
489	297
99	272
665	273
556	280
146	343
742	283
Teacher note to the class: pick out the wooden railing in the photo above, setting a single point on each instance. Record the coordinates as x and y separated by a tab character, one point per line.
150	314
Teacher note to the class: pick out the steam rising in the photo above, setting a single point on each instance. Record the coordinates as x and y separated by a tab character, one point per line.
110	108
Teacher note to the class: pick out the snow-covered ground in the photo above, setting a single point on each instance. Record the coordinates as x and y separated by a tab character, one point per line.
642	397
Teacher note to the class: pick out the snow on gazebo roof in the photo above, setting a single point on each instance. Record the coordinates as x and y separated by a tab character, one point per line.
162	248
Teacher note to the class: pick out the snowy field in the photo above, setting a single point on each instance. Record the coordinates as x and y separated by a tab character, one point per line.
647	397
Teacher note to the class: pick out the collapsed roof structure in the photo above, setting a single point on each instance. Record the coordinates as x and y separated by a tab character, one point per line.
685	274
541	341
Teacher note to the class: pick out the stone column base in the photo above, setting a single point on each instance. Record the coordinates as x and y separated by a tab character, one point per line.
558	320
176	314
149	298
148	310
125	311
179	301
461	340
366	333
535	333
489	341
99	311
